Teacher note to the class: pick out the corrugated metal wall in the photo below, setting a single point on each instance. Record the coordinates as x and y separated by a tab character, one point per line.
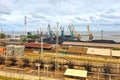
14	50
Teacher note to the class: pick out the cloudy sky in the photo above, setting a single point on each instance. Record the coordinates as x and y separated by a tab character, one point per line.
100	14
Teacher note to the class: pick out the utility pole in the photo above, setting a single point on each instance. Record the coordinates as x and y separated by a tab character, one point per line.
41	46
25	22
38	65
57	39
102	34
56	47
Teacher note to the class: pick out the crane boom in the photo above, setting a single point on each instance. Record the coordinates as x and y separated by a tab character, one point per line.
71	31
50	32
74	34
62	32
89	33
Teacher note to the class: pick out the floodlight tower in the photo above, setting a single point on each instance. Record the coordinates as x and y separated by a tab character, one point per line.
102	34
56	47
25	23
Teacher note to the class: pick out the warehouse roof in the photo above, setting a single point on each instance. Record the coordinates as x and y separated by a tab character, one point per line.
99	51
38	45
115	53
106	45
76	73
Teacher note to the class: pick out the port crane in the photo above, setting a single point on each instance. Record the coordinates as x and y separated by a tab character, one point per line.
73	32
39	34
62	32
50	33
89	33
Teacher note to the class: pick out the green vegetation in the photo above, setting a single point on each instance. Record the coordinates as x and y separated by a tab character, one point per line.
62	52
32	36
31	55
2	35
116	48
49	56
104	60
8	78
24	39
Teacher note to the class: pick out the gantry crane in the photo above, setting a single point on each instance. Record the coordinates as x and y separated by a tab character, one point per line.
74	34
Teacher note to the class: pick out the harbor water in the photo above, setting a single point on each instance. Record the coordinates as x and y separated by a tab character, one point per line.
98	35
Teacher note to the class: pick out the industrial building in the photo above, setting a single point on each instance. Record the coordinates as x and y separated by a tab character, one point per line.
15	50
87	44
80	48
39	46
75	74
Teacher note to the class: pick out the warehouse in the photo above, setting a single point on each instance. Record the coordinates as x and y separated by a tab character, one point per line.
86	44
98	49
75	74
39	46
15	50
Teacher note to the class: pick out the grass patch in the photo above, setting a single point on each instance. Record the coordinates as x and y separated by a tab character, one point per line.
8	78
115	48
32	55
51	55
103	60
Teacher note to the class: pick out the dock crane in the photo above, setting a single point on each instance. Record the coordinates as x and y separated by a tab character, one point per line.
89	33
62	32
74	34
39	34
50	33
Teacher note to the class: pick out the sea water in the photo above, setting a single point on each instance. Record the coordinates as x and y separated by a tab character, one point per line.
106	35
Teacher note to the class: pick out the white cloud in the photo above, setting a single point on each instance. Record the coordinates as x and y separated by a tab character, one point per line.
6	6
42	12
